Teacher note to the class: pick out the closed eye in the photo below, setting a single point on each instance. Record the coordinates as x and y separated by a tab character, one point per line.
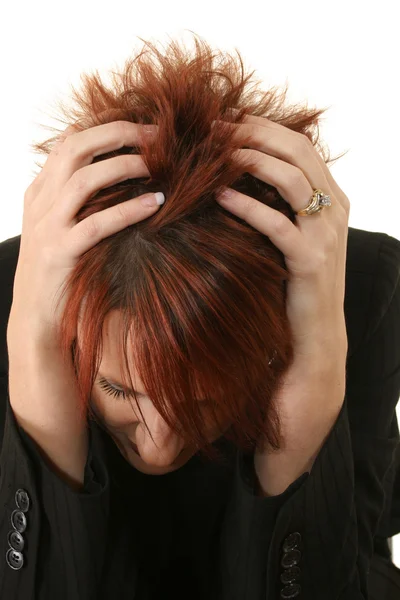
112	390
119	393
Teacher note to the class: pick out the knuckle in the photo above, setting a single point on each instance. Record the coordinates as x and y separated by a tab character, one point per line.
346	205
92	228
248	157
305	141
281	224
295	176
253	154
36	184
70	130
300	143
79	182
317	261
122	211
129	161
124	129
341	213
69	146
30	193
243	152
344	214
331	239
249	205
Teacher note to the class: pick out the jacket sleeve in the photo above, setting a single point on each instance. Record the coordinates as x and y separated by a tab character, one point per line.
316	540
52	538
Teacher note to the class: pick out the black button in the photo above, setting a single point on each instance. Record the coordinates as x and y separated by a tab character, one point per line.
290	575
22	500
292	541
14	559
16	541
18	520
290	559
291	591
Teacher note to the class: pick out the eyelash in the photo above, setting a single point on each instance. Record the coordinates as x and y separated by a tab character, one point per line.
111	390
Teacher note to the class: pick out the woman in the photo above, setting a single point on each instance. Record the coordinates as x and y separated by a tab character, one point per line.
257	334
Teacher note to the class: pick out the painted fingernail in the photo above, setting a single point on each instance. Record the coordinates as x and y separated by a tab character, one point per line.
157	198
225	194
150	131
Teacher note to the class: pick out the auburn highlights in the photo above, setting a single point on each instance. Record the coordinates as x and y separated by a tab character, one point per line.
200	292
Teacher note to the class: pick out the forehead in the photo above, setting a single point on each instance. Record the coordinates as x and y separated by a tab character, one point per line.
112	329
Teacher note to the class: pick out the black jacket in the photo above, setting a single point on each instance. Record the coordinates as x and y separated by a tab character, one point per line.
201	532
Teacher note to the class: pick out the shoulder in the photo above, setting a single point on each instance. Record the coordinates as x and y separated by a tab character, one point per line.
372	277
368	251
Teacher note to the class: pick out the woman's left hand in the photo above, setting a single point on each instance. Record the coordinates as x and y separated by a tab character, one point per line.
315	254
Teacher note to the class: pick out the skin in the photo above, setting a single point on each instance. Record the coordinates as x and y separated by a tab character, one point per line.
315	255
314	247
124	422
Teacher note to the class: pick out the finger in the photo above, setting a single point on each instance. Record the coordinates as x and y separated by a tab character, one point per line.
289	180
40	178
272	223
280	142
264	122
57	145
102	224
86	182
80	149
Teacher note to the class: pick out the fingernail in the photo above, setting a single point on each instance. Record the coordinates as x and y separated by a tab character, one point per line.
156	199
225	194
149	130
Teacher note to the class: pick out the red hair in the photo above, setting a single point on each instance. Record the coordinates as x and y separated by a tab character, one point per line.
201	292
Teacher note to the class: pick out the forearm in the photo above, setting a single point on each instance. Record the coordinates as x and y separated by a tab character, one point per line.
44	399
322	399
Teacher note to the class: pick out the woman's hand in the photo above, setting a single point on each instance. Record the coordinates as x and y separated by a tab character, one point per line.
52	241
315	254
42	384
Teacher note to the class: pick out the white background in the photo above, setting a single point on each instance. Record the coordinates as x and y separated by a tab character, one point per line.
340	54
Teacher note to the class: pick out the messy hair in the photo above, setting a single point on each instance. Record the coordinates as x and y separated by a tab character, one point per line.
201	293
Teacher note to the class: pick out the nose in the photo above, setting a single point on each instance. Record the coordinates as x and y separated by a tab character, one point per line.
163	449
156	460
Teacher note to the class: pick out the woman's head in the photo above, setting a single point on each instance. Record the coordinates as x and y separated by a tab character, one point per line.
188	306
158	448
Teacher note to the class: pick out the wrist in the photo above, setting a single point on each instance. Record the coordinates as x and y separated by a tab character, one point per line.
28	334
323	350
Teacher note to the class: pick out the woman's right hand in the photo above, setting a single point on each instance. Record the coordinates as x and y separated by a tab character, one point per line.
52	240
